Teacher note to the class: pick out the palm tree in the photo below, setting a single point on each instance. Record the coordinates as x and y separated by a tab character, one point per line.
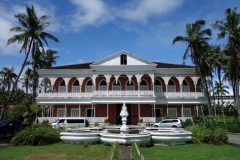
230	26
221	90
26	80
196	39
31	37
8	77
49	58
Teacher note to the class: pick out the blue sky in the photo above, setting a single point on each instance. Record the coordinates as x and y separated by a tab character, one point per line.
90	30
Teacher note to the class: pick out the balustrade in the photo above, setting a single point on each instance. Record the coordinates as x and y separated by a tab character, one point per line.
121	93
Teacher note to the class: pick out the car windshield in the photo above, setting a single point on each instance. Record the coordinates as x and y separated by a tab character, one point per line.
4	122
55	121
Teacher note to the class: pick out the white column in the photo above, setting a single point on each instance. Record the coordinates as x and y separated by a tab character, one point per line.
79	106
107	88
66	91
107	110
153	89
167	108
138	89
167	91
80	92
65	110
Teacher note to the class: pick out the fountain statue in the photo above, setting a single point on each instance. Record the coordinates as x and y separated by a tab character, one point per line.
124	114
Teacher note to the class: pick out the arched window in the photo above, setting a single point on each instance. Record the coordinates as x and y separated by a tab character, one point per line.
103	85
116	87
62	86
157	86
89	86
130	86
76	86
185	86
171	86
123	59
143	85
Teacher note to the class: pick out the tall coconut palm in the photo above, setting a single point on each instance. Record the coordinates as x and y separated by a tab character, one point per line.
26	80
31	37
230	26
8	77
49	58
196	39
221	90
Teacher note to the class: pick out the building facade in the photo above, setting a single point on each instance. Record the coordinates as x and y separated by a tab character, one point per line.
98	90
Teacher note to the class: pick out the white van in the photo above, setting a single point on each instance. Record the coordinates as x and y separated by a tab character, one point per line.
69	122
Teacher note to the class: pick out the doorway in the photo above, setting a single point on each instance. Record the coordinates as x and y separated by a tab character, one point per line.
119	118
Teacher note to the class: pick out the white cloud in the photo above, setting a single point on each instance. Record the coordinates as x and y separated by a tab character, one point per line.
141	10
94	12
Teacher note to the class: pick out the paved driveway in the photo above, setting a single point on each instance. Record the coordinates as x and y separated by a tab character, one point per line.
234	139
4	143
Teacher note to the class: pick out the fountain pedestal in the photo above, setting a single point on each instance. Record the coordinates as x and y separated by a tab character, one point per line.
124	114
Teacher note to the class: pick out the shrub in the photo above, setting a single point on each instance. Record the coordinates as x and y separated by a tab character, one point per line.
203	134
188	122
86	123
45	123
37	135
96	124
230	127
140	120
169	116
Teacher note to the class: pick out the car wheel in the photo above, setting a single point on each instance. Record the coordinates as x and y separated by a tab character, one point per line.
174	126
155	126
2	134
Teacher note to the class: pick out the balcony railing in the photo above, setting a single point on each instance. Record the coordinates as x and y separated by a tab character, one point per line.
122	93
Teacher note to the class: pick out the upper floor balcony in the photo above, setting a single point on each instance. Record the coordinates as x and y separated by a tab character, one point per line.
121	93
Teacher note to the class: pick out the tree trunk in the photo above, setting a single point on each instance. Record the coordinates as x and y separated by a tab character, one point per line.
5	106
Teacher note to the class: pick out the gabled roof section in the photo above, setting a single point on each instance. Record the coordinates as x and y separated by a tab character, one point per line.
115	59
169	65
74	66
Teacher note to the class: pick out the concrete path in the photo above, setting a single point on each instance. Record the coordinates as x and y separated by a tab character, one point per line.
4	143
234	139
125	152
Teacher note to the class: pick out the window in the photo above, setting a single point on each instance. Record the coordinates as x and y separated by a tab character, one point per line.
62	87
172	111
75	112
116	87
130	87
143	85
76	87
75	120
89	86
158	112
103	85
61	112
186	112
61	121
157	86
123	59
171	86
185	87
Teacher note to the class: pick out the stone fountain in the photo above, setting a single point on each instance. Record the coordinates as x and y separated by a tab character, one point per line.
108	136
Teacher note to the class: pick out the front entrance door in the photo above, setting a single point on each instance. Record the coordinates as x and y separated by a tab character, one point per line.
119	118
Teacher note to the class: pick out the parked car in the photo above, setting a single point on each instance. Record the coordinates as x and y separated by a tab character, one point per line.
170	123
10	127
69	122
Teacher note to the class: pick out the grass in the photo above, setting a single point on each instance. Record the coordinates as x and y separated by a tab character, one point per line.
99	152
191	152
56	152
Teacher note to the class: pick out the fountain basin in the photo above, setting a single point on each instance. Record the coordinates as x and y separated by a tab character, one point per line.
170	137
125	139
79	137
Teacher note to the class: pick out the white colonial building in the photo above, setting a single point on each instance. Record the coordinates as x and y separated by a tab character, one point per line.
97	90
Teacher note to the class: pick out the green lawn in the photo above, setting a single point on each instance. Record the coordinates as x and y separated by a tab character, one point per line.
191	152
58	151
63	151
